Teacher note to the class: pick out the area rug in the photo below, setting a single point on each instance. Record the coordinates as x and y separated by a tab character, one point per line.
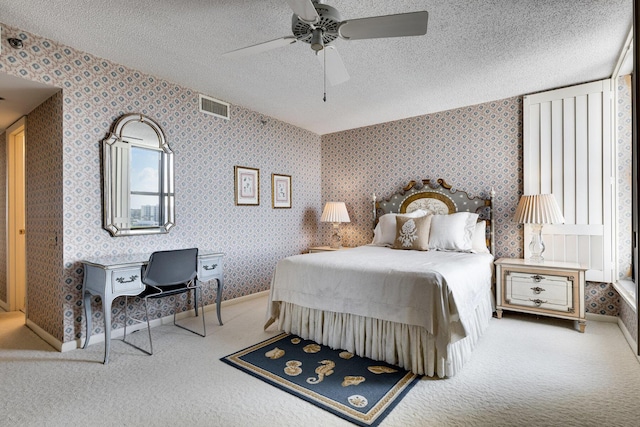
355	388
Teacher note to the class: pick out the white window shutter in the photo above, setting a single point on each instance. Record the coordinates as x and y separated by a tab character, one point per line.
567	152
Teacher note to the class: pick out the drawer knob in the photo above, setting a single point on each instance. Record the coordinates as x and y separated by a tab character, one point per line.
123	280
537	278
537	289
537	302
210	267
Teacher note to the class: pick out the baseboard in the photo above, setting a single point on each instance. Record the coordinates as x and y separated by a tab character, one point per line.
629	338
47	337
117	333
242	299
625	332
601	318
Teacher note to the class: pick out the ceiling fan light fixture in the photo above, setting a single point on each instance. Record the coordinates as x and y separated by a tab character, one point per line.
15	43
317	43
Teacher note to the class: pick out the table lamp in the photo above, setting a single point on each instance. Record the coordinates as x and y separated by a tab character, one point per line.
538	209
335	212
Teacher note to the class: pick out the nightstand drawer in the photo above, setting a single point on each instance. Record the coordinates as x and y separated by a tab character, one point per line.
535	290
549	288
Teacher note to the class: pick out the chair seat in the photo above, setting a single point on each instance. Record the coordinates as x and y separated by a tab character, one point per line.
152	292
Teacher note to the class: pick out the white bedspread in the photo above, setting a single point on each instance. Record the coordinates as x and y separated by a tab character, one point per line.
434	290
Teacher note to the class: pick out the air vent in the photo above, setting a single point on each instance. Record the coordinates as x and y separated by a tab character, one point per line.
214	107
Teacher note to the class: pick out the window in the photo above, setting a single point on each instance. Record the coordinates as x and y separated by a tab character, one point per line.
145	183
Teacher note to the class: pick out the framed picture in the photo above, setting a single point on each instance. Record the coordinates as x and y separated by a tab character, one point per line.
280	191
247	186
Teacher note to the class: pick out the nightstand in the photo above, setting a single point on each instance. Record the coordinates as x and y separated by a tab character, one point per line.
317	249
548	288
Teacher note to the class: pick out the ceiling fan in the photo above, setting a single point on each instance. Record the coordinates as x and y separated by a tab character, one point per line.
319	24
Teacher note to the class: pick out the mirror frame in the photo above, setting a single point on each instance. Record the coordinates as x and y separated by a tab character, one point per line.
111	181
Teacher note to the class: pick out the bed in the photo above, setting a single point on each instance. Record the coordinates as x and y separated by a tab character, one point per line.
419	296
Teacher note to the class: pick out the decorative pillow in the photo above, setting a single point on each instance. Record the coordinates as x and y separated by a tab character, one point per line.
453	232
412	233
479	240
385	232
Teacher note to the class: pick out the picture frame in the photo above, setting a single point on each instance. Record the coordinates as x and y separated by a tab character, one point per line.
247	186
280	191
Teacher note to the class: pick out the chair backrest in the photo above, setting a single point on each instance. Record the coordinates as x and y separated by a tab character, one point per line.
166	268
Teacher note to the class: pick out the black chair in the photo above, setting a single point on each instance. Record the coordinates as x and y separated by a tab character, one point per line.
168	273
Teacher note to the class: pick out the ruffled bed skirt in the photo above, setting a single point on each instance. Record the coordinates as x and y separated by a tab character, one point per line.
407	346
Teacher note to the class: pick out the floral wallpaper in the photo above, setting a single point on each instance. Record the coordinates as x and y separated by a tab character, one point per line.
628	314
475	148
624	176
45	191
66	214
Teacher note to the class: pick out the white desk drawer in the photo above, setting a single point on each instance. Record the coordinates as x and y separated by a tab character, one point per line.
209	267
126	281
540	291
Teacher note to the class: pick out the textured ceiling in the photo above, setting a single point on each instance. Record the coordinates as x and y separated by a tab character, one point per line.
474	51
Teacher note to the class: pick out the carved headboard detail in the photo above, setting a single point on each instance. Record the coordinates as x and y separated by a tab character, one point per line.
438	198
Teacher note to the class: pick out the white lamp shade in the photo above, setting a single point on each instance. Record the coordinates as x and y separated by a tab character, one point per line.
538	209
335	212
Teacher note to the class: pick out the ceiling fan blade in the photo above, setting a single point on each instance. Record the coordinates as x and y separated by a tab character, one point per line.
334	67
260	47
401	25
305	10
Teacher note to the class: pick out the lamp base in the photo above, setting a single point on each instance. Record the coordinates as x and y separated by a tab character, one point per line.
336	240
536	247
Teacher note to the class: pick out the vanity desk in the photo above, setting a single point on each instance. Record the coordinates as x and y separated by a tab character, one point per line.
111	277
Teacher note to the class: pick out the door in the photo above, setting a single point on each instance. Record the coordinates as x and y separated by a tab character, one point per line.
16	251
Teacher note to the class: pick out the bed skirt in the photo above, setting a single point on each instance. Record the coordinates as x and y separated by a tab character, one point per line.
407	346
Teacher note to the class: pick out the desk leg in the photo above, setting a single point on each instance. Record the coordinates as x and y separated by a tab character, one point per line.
87	316
106	307
219	299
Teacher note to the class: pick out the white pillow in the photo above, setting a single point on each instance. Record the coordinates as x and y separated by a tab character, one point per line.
453	232
385	232
479	240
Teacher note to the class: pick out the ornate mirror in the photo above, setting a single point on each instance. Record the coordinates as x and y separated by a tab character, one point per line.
137	178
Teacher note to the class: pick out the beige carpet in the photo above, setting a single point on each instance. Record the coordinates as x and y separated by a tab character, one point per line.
525	372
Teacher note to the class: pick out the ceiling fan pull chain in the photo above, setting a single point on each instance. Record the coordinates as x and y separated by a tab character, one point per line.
324	73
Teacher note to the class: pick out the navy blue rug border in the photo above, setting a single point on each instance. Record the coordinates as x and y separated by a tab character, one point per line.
375	422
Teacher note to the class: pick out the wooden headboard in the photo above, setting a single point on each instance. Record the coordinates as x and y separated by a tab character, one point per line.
438	198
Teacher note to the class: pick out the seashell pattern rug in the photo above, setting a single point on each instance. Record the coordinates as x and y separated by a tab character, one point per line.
355	388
